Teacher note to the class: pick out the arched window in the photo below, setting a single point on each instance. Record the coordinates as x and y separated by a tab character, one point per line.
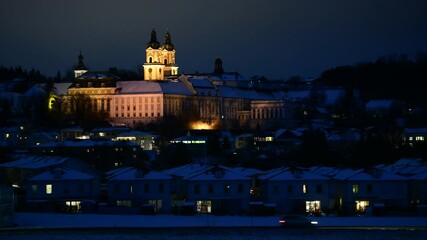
150	60
166	61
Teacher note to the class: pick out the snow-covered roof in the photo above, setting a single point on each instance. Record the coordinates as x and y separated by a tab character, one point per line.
186	170
248	172
152	87
86	143
35	162
97	75
294	132
201	82
375	175
286	173
347	135
36	90
233	92
61	88
405	167
415	130
134	133
137	174
216	173
60	174
380	103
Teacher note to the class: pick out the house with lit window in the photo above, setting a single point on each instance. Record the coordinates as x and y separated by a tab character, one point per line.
415	170
104	155
295	190
412	137
374	188
218	190
196	145
136	190
60	189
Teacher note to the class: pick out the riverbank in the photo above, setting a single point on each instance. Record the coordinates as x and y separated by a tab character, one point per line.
50	220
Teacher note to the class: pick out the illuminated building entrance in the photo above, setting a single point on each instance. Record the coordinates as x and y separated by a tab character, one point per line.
312	206
204	206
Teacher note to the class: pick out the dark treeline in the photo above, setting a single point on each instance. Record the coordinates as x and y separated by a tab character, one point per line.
20	73
395	76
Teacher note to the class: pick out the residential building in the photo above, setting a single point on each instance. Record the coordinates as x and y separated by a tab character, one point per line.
296	190
60	189
139	189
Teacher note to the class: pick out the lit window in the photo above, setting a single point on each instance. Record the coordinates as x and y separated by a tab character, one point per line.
419	138
355	188
124	203
48	188
7	135
131	189
304	188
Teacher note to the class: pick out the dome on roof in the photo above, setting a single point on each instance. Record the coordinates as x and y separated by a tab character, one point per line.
218	70
80	65
153	43
168	42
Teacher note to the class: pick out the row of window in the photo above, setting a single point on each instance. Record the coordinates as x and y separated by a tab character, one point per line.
129	115
146	188
134	100
227	188
48	189
304	189
129	108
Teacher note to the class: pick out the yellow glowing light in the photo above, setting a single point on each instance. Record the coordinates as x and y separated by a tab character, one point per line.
202	126
51	101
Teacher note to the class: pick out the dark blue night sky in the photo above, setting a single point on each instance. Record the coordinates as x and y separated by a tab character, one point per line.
275	38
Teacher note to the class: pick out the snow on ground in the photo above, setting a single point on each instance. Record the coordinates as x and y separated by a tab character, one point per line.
50	220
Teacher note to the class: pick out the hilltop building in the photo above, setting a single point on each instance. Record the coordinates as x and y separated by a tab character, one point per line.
208	101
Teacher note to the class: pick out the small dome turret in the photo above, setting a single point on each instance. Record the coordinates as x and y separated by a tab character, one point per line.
153	43
168	42
80	65
218	70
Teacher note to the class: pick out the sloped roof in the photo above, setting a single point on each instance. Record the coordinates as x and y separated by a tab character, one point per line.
233	92
63	174
153	87
381	103
286	173
186	170
381	175
35	162
216	173
97	75
87	143
346	135
201	82
61	88
136	174
36	90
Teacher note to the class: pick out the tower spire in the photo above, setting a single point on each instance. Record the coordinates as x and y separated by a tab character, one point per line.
168	42
153	43
80	68
218	70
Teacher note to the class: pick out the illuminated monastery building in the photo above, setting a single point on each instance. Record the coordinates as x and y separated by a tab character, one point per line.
215	100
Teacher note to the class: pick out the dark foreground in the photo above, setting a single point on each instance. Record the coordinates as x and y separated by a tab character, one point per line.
214	233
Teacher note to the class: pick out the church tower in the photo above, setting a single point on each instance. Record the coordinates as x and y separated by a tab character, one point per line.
80	68
159	59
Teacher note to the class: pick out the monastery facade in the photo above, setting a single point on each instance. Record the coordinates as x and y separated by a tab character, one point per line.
209	101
